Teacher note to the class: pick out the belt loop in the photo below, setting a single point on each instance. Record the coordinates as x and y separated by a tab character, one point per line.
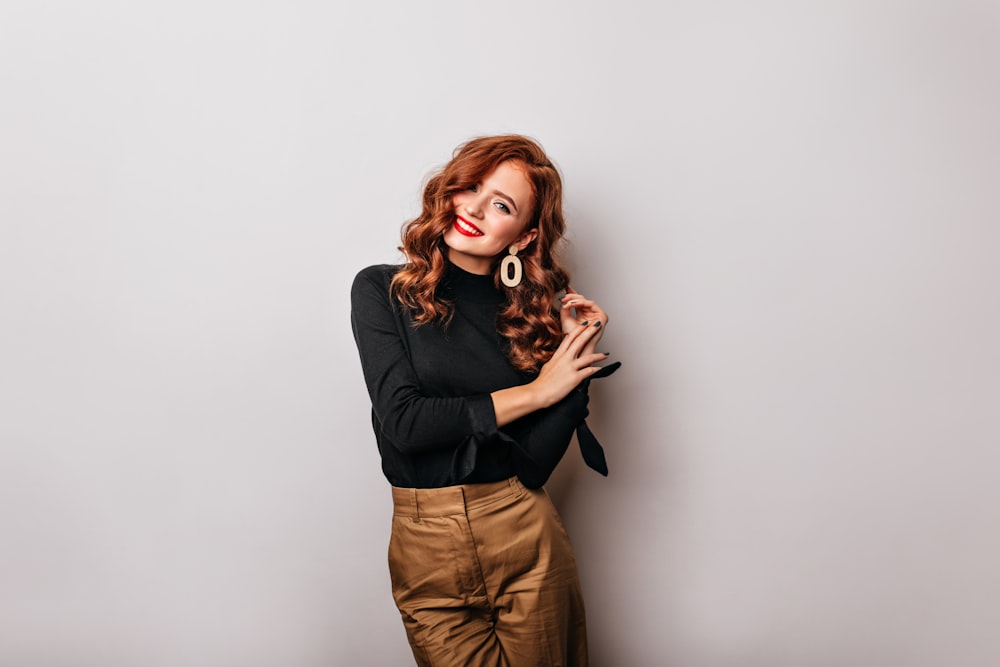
416	507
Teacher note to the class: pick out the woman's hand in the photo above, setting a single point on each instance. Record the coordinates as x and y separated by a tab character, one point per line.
569	366
576	311
572	363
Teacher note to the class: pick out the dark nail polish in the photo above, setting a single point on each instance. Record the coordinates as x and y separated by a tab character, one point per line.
597	324
584	323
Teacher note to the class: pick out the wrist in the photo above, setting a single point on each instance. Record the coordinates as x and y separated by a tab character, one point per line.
538	395
515	402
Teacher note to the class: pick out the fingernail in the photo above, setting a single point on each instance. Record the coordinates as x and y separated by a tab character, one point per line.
584	323
607	354
597	324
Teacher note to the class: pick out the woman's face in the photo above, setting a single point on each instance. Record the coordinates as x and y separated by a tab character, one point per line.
489	217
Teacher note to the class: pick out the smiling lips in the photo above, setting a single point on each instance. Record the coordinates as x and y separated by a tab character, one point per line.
466	228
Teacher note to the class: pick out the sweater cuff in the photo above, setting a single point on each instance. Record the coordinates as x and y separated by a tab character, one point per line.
483	420
482	417
573	408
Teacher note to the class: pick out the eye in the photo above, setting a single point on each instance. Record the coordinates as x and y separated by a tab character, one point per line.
503	207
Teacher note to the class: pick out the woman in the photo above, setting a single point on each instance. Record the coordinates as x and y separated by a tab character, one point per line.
478	377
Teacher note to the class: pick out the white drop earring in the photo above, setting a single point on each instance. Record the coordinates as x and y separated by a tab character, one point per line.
511	260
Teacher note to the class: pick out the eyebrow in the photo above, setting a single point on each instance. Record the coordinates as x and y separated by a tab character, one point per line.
507	197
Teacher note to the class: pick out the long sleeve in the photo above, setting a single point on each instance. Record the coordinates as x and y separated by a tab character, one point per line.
539	440
431	385
409	419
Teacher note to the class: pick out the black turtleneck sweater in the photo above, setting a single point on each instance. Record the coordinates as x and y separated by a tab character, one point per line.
430	389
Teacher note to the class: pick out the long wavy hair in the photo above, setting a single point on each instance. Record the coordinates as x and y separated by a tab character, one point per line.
529	321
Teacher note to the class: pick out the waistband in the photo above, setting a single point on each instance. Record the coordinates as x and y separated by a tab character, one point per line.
451	500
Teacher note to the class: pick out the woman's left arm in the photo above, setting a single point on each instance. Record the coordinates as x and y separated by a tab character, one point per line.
544	436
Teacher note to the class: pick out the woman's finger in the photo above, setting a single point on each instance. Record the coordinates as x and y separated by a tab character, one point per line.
581	335
588	306
585	361
568	340
582	305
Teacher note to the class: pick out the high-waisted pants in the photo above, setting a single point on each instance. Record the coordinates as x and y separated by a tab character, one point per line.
484	575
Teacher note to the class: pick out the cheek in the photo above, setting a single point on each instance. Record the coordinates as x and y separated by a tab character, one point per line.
511	225
510	234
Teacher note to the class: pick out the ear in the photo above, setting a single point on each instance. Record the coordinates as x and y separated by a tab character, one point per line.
526	238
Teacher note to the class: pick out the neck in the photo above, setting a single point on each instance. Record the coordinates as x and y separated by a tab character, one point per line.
479	265
461	284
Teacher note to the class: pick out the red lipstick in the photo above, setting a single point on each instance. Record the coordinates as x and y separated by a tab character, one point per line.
466	228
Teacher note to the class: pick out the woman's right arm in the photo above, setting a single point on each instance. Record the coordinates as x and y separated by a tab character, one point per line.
410	420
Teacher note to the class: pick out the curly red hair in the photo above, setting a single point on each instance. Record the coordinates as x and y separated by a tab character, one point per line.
529	320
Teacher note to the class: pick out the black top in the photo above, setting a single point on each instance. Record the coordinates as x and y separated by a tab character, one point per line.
430	389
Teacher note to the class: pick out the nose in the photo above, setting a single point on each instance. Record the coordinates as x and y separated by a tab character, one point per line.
474	205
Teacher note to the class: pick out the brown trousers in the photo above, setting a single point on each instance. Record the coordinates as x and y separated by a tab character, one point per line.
484	575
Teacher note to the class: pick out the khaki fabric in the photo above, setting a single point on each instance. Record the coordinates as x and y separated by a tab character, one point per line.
484	574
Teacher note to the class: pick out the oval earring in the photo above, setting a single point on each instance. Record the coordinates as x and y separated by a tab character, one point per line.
511	260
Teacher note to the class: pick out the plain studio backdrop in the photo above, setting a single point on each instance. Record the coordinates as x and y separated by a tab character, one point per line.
789	210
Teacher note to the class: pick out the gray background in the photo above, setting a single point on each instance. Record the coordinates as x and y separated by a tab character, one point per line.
789	210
